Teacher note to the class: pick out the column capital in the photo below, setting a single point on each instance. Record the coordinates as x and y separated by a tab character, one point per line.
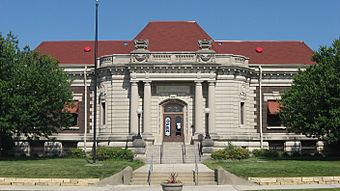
147	82
212	82
198	82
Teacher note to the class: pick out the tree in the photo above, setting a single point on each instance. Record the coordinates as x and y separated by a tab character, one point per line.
312	105
33	91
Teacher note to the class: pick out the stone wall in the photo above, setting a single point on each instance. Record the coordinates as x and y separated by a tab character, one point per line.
296	180
47	181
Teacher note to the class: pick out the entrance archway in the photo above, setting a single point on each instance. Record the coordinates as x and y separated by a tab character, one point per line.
173	121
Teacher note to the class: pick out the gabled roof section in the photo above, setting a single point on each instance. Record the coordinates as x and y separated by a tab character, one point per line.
72	52
274	52
173	35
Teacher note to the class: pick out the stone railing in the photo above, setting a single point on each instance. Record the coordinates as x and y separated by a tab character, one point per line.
295	180
173	58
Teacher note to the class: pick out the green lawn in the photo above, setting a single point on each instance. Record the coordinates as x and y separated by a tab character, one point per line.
278	168
62	168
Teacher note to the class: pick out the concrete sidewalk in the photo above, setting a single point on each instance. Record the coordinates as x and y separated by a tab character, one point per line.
158	187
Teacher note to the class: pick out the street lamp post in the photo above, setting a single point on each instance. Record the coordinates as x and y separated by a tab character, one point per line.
139	113
138	141
95	85
207	111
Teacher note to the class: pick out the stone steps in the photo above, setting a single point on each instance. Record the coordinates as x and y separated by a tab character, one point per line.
171	153
187	178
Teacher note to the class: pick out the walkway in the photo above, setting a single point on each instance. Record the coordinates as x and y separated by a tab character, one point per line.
158	188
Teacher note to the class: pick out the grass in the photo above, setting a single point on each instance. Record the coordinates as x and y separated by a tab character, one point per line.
254	167
62	168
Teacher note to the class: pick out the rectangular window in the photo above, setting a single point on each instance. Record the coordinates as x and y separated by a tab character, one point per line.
242	113
103	113
273	111
70	114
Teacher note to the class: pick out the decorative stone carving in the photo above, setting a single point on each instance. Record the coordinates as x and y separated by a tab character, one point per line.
140	57
102	91
205	55
243	94
205	44
205	58
141	44
141	53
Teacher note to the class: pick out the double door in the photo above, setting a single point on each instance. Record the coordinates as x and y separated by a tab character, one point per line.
173	128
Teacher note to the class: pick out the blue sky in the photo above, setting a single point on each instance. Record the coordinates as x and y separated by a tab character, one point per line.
317	22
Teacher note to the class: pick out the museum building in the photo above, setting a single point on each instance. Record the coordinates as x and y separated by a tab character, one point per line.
174	84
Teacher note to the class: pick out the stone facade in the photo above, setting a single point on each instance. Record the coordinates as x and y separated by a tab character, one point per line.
212	93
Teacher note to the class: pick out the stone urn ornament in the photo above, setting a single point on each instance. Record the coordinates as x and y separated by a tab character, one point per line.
172	184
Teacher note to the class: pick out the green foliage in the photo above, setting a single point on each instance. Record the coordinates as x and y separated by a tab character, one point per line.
33	89
312	105
105	153
231	152
258	152
75	153
266	153
219	154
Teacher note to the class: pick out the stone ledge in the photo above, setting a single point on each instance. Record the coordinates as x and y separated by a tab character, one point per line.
295	180
48	181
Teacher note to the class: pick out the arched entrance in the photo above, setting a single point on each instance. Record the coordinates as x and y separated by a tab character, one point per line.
173	121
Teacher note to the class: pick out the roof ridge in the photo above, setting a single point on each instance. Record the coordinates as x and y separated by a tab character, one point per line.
301	41
173	21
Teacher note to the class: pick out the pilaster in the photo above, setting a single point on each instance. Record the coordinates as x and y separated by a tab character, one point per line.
198	108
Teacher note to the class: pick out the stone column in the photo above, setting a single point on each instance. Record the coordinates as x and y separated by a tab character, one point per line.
147	108
211	105
198	108
133	108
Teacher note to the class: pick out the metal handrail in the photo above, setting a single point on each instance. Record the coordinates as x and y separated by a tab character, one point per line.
200	152
183	153
150	171
195	172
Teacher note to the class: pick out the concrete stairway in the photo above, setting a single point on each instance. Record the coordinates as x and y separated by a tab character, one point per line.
172	153
191	151
161	173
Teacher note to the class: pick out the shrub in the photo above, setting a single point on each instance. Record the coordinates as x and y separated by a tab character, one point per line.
75	153
104	153
266	153
219	154
231	152
271	154
258	152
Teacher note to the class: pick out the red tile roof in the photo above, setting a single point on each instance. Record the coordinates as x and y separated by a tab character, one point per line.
181	36
173	36
274	52
72	52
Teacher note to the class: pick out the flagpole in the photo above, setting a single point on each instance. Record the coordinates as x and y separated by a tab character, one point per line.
95	85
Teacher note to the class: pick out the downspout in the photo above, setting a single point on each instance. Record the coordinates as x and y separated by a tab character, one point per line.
260	92
85	102
111	107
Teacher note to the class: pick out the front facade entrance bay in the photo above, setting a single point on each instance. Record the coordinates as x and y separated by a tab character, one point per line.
179	88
